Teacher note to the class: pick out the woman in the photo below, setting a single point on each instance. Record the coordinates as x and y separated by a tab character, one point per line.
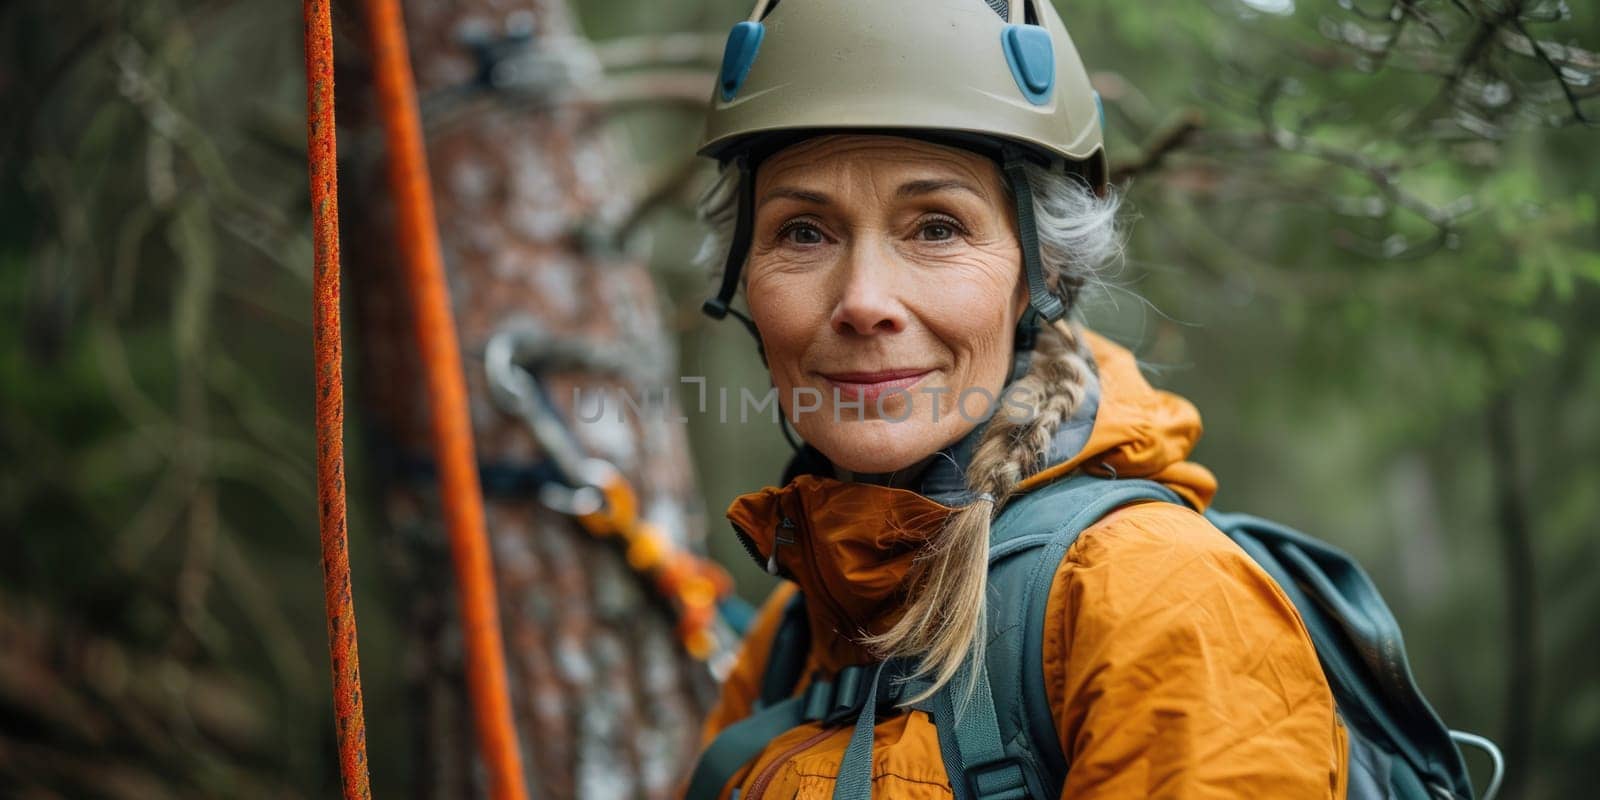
913	193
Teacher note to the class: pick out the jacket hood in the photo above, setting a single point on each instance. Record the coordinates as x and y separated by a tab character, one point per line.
850	545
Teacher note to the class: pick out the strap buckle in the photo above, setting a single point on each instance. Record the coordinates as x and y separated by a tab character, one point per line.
842	699
1002	779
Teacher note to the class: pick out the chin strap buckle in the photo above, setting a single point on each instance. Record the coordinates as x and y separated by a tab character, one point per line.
843	699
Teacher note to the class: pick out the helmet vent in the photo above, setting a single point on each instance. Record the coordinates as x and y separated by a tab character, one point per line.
1029	11
1031	56
737	56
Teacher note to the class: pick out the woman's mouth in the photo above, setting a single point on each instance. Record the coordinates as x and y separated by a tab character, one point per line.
869	387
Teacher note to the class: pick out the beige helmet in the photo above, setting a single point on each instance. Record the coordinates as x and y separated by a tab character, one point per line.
974	66
998	77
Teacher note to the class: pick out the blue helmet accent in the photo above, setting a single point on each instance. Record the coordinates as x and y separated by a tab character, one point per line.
1033	60
1100	107
743	42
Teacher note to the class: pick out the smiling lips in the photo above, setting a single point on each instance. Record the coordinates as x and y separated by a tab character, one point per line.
867	387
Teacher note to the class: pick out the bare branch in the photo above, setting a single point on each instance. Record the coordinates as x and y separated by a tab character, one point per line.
1170	141
1573	101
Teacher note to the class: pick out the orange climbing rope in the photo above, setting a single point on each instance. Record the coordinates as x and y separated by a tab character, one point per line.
693	584
351	726
440	356
441	359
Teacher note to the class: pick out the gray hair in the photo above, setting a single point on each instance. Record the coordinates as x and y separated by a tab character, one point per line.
1080	239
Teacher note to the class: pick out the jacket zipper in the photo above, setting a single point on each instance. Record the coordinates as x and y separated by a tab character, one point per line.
749	545
759	787
780	537
785	523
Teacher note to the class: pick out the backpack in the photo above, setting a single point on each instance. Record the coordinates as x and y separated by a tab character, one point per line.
1003	746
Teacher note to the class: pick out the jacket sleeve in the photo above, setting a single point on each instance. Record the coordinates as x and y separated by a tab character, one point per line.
1177	668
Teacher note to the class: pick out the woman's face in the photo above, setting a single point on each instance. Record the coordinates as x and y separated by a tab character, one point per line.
885	278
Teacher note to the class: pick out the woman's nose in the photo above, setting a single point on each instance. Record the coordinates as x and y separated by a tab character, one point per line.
869	302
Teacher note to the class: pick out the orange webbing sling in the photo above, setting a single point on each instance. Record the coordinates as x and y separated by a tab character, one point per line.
440	356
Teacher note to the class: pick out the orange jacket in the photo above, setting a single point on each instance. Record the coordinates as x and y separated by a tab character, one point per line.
1175	667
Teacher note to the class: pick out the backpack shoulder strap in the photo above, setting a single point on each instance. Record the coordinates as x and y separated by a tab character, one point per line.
1004	745
1027	543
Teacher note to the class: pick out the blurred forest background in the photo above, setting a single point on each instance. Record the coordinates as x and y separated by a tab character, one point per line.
1365	241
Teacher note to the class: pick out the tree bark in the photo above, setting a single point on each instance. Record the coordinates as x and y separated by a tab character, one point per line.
607	703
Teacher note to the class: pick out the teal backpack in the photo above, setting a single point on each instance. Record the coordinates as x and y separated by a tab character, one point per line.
1004	745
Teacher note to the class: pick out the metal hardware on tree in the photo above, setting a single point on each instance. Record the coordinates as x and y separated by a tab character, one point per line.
600	497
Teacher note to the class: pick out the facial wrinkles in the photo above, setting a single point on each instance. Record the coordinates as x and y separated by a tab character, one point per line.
953	300
861	177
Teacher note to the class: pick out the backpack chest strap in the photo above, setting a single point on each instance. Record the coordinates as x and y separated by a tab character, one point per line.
852	695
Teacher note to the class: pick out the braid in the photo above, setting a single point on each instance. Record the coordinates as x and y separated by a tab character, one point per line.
1011	449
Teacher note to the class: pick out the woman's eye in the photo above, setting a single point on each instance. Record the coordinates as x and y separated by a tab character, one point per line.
939	231
801	233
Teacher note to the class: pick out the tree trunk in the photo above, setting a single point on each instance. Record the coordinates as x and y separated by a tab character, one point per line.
1522	614
607	703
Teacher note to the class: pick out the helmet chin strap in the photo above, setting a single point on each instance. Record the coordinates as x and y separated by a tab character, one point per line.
720	307
1022	344
1043	305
